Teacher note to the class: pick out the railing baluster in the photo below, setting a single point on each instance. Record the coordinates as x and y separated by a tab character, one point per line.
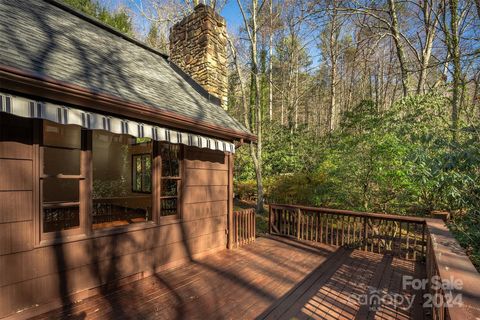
378	233
408	241
252	224
320	216
298	223
312	236
415	243
332	220
400	240
365	233
348	229
423	240
354	229
270	219
306	225
288	222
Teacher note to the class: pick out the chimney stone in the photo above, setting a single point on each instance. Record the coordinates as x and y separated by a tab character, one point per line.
198	45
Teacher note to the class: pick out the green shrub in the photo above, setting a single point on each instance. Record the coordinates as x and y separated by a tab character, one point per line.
245	190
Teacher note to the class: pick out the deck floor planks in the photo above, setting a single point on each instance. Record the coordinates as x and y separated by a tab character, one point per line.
356	272
271	278
276	287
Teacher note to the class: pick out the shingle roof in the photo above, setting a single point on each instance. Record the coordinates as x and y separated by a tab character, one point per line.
41	37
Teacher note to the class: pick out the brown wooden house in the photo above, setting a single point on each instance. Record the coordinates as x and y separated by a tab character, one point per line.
114	163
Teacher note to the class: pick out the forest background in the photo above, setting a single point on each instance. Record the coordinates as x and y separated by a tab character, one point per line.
370	105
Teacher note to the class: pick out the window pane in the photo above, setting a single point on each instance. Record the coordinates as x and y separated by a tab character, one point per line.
61	161
137	173
58	135
147	173
168	206
117	181
170	154
169	188
61	218
60	190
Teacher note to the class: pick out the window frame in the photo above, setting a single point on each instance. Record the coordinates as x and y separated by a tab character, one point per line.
180	181
39	149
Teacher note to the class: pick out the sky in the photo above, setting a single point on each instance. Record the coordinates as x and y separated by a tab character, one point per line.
232	15
230	12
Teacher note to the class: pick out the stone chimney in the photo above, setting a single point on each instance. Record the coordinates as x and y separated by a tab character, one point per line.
198	45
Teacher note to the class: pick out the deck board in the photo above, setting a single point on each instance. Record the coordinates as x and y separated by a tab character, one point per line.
272	278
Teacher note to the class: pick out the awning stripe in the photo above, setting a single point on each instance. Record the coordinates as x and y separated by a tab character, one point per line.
27	108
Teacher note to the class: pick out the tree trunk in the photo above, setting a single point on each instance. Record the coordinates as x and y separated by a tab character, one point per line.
475	98
333	72
270	65
455	55
430	23
257	152
399	47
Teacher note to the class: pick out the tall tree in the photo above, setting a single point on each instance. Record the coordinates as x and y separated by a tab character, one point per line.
430	10
251	26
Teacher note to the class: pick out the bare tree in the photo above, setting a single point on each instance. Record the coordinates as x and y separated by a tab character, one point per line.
430	10
251	27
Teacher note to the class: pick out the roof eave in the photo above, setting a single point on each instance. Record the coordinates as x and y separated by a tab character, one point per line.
44	87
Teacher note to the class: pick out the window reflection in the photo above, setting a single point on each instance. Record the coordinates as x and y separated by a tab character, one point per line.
60	177
121	180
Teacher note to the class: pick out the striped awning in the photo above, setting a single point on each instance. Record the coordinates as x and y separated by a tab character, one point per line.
28	108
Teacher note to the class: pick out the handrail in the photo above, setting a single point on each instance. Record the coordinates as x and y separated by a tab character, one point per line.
447	260
354	213
244	228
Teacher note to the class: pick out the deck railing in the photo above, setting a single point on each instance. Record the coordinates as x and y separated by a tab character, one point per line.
459	295
381	233
243	227
412	238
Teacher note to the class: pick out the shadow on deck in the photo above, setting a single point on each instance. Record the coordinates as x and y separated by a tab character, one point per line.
272	278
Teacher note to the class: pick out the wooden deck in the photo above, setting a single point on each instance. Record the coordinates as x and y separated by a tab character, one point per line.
272	278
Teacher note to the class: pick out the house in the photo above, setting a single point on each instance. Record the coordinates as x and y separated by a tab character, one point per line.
114	162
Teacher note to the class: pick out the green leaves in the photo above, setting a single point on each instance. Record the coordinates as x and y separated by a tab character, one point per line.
119	19
400	161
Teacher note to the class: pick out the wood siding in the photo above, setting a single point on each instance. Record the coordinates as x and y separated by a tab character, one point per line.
42	275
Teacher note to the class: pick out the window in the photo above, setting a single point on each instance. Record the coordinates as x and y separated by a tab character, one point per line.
60	177
121	180
95	180
142	173
170	179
